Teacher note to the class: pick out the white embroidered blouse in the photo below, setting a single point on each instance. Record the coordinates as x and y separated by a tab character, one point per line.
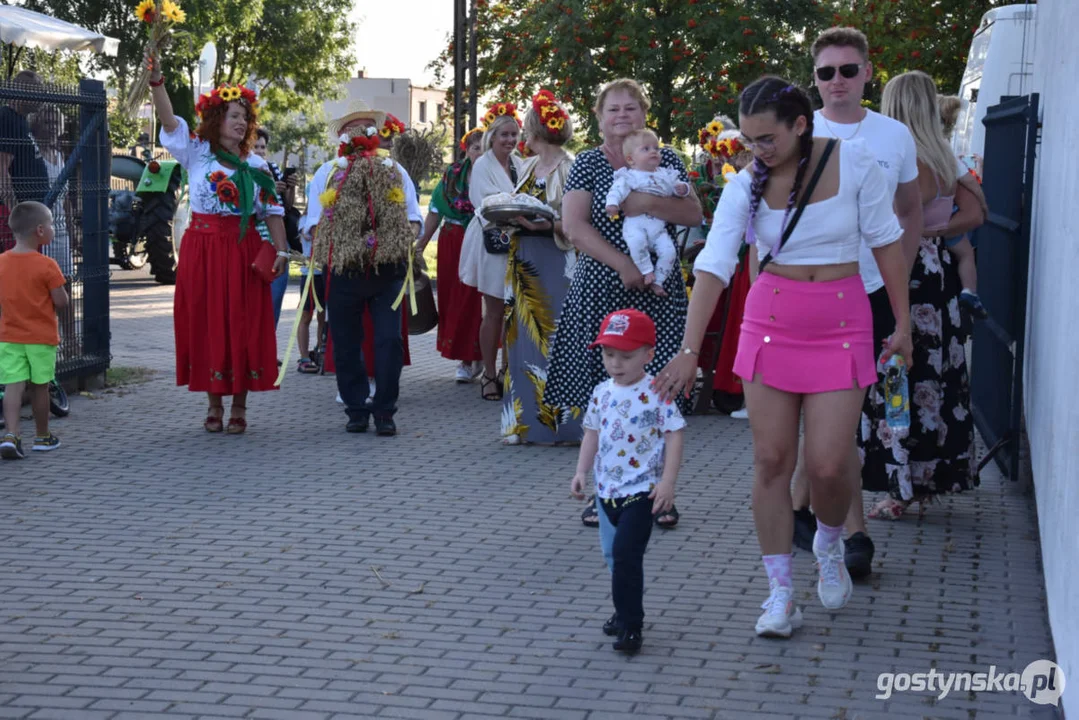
209	182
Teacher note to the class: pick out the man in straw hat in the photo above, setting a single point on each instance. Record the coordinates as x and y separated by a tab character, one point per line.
365	208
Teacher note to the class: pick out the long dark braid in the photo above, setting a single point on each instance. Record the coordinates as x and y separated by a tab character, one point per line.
788	102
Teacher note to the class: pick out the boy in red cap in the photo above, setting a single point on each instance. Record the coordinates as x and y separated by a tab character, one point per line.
633	442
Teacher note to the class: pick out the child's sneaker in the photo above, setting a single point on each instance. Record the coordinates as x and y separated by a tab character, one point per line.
973	304
11	448
781	616
46	443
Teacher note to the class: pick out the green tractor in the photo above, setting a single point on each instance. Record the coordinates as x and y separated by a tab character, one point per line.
141	220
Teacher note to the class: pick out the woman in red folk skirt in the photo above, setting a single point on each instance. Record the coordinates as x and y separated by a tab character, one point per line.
726	386
223	312
460	307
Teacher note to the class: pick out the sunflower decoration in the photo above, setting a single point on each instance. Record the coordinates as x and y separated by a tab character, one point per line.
396	195
160	16
499	109
223	95
551	114
719	142
391	127
468	137
523	150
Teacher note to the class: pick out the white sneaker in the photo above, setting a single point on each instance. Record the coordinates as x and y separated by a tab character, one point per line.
742	414
371	395
339	399
781	616
464	373
834	587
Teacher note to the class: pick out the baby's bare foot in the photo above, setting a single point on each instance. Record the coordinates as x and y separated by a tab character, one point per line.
649	279
658	290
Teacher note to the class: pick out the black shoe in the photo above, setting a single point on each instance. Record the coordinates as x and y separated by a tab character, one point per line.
859	555
613	626
629	641
973	304
805	527
358	425
385	427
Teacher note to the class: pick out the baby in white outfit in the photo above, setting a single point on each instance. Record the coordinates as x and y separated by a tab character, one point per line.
645	234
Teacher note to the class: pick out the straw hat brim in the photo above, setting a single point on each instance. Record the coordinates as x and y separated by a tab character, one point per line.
378	116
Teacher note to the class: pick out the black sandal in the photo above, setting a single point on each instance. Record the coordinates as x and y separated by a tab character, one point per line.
672	514
590	517
492	395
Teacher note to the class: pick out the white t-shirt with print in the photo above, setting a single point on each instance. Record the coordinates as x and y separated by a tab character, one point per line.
892	144
631	421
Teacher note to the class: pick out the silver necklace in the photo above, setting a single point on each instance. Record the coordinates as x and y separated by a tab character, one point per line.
835	134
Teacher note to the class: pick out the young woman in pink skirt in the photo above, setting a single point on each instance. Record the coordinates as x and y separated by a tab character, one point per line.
806	344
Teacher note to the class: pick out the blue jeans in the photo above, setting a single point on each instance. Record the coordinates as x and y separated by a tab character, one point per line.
350	294
630	519
277	291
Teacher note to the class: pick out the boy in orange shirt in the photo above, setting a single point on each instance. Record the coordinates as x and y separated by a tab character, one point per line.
31	292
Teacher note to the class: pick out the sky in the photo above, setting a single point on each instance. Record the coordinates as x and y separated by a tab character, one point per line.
398	38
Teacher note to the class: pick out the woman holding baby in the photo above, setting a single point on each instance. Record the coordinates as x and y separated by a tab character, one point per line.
606	277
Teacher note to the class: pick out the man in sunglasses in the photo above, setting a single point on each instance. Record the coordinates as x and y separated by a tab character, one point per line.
841	70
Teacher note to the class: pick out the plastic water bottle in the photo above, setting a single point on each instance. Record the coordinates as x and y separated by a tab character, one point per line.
896	393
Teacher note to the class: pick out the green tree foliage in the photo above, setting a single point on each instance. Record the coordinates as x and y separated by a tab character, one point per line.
123	129
692	56
929	35
300	48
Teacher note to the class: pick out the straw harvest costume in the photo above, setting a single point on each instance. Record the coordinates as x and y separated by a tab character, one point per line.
223	311
460	307
320	183
364	241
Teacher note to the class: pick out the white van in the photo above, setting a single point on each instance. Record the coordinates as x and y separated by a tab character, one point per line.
1000	63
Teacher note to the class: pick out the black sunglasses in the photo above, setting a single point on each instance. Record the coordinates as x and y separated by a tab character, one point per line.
827	72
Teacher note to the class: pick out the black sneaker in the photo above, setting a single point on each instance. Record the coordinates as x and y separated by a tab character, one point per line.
613	626
358	425
385	427
46	443
629	641
11	448
859	555
805	527
973	304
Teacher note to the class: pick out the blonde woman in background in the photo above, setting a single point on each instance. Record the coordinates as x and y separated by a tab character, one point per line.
936	455
496	171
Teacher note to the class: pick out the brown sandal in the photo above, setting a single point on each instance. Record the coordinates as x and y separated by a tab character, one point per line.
213	422
237	425
492	395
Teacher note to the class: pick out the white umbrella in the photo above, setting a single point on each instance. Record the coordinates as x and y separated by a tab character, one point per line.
24	28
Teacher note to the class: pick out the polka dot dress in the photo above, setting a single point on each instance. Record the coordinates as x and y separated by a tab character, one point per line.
597	290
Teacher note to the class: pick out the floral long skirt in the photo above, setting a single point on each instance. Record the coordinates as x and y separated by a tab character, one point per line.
936	455
538	276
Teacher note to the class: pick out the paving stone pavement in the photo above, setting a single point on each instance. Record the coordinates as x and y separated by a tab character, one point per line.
148	569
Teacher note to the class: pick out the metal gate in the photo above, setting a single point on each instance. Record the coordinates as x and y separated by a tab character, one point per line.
1011	134
65	128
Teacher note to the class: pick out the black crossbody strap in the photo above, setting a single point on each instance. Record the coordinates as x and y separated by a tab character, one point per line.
803	202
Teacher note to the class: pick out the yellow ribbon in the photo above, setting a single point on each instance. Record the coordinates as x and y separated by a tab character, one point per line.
296	323
409	285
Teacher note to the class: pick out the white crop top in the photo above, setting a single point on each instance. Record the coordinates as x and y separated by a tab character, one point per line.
830	232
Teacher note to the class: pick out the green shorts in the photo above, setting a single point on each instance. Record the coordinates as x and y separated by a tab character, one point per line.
19	363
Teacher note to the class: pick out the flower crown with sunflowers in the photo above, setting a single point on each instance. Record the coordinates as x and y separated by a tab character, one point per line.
469	135
499	109
551	114
223	95
719	148
392	126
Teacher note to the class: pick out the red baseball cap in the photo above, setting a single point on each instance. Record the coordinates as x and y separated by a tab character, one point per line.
626	330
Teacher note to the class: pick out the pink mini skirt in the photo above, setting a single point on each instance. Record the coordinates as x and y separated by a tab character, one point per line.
807	337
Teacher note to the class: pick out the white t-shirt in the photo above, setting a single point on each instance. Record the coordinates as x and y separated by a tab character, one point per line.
830	232
631	421
893	146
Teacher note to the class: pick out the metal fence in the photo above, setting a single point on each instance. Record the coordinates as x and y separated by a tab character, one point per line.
54	140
